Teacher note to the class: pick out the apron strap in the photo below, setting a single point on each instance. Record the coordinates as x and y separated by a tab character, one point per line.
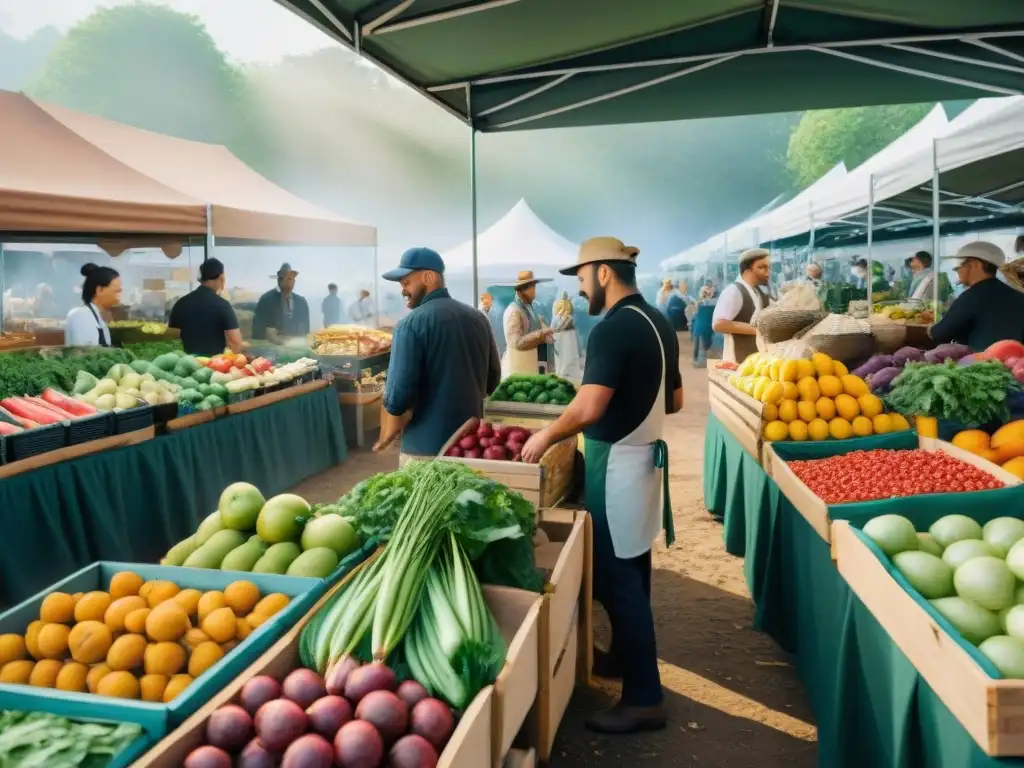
661	462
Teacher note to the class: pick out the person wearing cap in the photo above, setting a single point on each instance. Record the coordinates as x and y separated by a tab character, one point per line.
281	312
741	302
331	306
444	362
631	381
207	320
528	339
360	311
988	310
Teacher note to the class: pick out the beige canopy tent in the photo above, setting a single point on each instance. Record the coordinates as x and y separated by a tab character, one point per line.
245	206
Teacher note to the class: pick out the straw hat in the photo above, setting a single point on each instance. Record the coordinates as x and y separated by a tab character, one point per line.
526	278
602	250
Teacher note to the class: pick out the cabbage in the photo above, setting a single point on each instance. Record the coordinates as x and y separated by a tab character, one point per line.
927	543
892	533
970	620
1006	653
926	573
986	581
952	528
1002	533
959	552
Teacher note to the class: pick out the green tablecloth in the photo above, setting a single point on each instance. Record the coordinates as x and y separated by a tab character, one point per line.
872	708
131	504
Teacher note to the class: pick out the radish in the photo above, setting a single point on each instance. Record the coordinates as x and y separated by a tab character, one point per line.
484	430
495	453
453	451
471	453
469	442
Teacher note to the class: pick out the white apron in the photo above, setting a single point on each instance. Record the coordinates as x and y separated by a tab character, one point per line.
635	481
567	355
522	361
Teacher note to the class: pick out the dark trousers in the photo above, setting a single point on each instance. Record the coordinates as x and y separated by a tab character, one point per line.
623	587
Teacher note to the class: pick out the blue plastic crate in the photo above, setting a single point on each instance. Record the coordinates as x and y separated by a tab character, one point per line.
159	719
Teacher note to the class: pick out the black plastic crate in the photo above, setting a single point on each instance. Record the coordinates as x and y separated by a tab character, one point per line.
32	442
90	428
133	419
165	412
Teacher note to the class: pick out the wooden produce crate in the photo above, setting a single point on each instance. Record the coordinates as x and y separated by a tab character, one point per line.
815	511
990	710
741	414
520	758
546	411
545	484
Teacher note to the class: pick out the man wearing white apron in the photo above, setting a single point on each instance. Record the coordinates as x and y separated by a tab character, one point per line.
631	380
527	338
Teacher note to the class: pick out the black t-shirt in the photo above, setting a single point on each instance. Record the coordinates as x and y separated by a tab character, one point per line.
985	313
623	354
202	317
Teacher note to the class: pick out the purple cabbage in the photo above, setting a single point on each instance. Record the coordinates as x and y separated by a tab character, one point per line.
906	355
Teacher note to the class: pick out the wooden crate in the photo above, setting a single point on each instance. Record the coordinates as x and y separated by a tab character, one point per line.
553	700
991	711
741	414
545	484
520	758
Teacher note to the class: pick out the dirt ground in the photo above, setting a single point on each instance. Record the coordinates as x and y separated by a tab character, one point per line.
732	697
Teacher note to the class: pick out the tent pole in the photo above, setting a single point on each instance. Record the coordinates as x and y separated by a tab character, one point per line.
871	226
472	192
936	233
210	242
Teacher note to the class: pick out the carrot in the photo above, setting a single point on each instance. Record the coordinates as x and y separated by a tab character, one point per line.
68	404
26	409
9	429
55	410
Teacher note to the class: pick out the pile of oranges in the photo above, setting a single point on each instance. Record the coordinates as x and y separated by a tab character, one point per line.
138	639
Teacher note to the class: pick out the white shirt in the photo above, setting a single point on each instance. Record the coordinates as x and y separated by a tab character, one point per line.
730	302
360	310
923	291
81	328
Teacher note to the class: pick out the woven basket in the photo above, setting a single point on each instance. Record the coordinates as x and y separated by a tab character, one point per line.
889	337
1014	273
846	347
777	325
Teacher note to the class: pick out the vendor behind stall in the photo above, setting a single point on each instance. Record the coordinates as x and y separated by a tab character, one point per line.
101	292
529	340
281	311
740	303
206	320
988	310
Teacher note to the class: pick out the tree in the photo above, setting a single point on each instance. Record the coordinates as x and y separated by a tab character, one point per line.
155	68
824	138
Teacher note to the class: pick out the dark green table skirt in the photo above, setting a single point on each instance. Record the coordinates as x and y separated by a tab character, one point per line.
872	708
133	503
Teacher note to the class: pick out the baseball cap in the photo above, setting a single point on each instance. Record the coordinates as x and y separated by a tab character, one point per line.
982	251
415	260
601	250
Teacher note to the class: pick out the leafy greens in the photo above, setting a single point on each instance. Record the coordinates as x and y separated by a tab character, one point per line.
38	740
974	395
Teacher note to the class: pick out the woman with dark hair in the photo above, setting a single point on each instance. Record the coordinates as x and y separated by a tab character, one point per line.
84	326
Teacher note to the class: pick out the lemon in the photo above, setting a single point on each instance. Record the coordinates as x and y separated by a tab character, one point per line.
806	411
870	405
787	411
772	393
818	429
747	368
840	428
760	385
734	381
847	407
822	364
789	371
899	424
798	431
789	391
854	385
839	369
830	386
862	426
804	368
776	430
883	423
773	370
748	385
769	412
826	408
808	389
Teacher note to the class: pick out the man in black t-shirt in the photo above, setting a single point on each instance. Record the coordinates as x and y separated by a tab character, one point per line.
630	382
206	320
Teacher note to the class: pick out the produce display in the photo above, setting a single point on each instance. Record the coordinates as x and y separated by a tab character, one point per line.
157	329
541	389
1004	447
880	371
1009	353
904	312
29	373
39	739
358	717
128	386
813	399
138	639
974	394
18	414
349	340
283	535
969	574
490	441
886	474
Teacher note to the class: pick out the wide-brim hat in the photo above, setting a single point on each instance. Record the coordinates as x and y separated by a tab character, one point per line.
601	250
526	278
982	251
286	269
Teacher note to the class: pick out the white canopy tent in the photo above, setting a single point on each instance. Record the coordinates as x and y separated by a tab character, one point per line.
519	240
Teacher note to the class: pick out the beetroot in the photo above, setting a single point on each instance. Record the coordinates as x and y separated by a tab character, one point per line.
518	435
472	453
258	692
386	712
412	693
328	714
412	752
229	728
279	723
338	674
303	686
501	432
370	677
468	442
453	451
309	751
485	442
495	453
484	430
358	745
208	757
432	719
514	447
255	756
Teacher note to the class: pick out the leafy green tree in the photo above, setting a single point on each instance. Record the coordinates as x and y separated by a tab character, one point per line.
823	138
155	68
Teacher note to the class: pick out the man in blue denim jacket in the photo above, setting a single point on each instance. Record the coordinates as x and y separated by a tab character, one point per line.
444	361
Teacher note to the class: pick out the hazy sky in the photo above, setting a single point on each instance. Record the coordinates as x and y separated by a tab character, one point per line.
246	30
